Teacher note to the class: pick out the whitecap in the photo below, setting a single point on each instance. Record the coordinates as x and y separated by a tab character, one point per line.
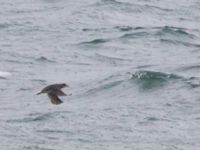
4	74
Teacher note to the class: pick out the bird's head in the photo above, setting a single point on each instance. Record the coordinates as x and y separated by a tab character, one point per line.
64	85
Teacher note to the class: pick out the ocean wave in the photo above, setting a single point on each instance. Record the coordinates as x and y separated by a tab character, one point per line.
190	67
110	59
115	6
44	59
17	61
143	78
152	79
175	42
39	80
166	34
154	75
54	131
95	29
95	41
41	117
163	33
104	87
124	28
35	117
114	2
128	28
134	35
175	31
151	7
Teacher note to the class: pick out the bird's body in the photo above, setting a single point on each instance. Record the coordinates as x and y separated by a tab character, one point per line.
53	92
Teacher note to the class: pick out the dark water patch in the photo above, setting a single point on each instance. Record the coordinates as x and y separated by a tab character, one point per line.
128	28
54	113
41	117
84	140
144	66
6	45
148	7
109	59
51	1
55	131
94	42
124	28
36	148
134	35
138	28
168	105
114	2
2	89
152	119
95	29
24	89
193	82
3	78
44	60
4	25
151	79
34	10
19	61
175	31
80	63
39	80
114	5
87	29
169	41
177	42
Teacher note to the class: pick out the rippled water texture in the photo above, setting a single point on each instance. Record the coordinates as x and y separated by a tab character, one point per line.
133	68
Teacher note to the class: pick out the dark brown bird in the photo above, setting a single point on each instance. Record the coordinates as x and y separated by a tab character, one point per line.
54	91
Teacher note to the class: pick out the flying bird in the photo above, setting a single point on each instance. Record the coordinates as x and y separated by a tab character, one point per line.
53	91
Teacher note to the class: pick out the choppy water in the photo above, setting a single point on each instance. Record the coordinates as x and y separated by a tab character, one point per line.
133	68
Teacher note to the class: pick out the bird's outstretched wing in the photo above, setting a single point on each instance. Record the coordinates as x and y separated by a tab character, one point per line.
54	99
61	93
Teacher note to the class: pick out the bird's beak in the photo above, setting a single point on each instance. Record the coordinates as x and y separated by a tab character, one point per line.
39	93
66	85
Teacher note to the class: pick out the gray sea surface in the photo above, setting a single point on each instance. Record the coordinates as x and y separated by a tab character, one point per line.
132	66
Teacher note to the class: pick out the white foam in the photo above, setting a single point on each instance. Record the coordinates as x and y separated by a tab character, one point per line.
4	74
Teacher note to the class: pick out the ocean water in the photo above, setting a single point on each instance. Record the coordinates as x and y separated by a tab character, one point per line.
133	69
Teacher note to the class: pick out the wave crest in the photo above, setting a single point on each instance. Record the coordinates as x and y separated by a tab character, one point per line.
151	79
